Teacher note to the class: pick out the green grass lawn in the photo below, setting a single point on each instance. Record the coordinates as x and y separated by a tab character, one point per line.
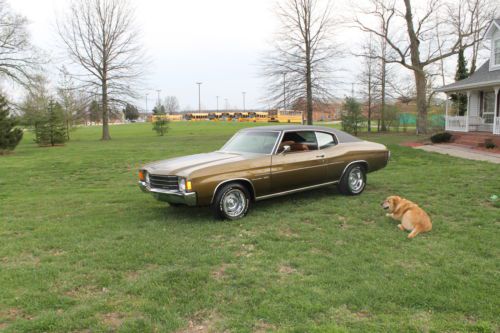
82	249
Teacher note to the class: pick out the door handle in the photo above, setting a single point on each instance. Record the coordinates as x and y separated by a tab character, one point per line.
321	156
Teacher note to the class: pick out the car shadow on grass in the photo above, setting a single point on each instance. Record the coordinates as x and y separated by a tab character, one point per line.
199	215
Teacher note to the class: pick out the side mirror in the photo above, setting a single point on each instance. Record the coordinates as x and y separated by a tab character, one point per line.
286	149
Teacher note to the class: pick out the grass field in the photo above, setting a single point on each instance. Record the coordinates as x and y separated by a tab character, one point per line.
83	250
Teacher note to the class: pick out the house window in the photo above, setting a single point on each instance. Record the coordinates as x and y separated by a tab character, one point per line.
497	52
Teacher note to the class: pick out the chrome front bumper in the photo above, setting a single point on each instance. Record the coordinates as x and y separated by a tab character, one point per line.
175	197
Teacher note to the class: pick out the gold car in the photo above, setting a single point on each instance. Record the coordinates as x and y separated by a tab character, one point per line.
263	162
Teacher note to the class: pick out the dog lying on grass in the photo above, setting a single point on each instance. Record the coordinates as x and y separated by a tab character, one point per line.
412	217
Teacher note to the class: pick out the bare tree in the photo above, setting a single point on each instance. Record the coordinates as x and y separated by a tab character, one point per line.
72	100
382	12
368	78
101	39
474	16
171	104
299	68
18	60
418	49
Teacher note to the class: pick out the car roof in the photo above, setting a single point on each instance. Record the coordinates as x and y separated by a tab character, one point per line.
342	137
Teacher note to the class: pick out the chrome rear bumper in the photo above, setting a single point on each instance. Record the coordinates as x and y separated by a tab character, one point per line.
175	197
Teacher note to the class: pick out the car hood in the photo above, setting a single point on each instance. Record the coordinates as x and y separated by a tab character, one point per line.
183	166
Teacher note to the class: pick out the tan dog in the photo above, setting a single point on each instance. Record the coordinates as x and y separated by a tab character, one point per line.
412	217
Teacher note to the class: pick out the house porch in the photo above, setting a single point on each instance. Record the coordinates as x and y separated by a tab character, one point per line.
482	114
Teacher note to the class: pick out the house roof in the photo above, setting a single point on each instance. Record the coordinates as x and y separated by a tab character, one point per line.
482	77
495	24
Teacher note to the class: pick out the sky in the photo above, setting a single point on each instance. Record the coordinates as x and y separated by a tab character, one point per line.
219	43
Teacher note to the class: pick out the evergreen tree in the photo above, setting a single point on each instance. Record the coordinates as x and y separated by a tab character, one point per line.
9	135
50	130
160	126
460	100
130	112
352	117
95	114
159	109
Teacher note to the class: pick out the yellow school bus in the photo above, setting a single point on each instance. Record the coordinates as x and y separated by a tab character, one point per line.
285	116
243	117
170	117
215	116
197	116
261	117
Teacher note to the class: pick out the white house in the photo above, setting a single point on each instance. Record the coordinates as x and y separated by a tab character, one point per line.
482	89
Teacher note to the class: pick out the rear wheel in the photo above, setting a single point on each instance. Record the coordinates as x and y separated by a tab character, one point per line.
353	181
231	201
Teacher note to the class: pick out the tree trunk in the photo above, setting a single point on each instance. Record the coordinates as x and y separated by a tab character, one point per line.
421	101
309	98
105	114
382	110
418	71
370	102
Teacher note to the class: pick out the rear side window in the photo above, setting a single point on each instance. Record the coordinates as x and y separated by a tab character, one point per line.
325	140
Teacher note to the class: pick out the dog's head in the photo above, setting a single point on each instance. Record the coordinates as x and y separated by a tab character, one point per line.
390	203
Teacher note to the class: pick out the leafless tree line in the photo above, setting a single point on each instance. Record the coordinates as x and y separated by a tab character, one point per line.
432	33
414	35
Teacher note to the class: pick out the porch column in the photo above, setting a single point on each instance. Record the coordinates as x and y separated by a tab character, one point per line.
468	111
446	112
496	129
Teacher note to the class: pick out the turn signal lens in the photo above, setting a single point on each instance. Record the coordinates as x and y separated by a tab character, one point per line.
188	185
141	175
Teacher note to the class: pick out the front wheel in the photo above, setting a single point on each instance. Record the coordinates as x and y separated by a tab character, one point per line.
231	202
353	181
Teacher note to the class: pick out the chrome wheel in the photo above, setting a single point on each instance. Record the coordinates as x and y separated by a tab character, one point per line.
356	179
234	202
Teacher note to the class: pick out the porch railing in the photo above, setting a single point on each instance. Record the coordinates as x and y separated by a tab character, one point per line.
496	126
456	123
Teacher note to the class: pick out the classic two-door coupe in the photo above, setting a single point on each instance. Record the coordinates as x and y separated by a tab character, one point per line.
263	162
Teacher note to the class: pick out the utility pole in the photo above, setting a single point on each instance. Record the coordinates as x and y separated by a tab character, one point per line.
147	102
158	91
284	91
199	95
352	90
217	102
244	93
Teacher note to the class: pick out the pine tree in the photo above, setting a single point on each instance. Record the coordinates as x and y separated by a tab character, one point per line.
131	112
9	135
460	100
50	130
352	117
160	126
159	109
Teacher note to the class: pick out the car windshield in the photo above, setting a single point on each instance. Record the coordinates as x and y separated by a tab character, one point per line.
257	142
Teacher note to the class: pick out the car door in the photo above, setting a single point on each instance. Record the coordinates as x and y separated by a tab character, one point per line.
333	156
297	168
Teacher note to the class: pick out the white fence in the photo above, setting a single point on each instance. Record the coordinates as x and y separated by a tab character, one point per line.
456	123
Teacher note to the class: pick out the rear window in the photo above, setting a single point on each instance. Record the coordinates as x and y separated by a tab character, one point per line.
325	140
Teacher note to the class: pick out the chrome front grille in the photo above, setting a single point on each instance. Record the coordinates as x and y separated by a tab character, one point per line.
164	182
